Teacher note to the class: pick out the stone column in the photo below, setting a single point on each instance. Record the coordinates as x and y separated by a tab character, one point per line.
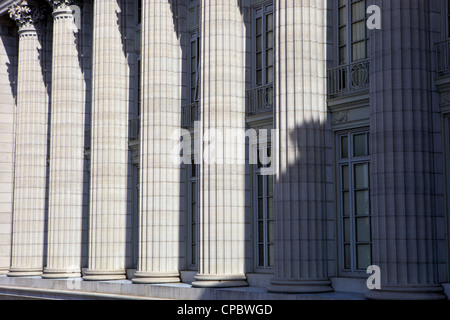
31	145
66	148
159	209
402	146
222	171
109	144
300	150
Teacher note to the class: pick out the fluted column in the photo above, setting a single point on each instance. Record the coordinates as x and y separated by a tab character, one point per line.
222	171
300	150
402	164
109	144
159	209
66	148
31	145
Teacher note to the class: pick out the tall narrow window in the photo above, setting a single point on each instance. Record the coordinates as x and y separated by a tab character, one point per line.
194	53
352	31
264	215
261	95
192	227
354	201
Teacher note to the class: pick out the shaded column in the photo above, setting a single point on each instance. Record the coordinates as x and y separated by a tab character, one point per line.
402	145
222	170
300	150
66	148
31	145
159	208
109	145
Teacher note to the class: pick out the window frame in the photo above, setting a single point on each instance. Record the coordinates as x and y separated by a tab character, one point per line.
351	161
191	261
264	171
349	33
265	9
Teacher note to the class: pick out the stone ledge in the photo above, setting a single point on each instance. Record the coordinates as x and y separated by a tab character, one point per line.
77	289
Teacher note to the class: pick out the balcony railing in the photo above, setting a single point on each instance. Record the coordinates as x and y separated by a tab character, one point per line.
443	58
134	128
349	78
259	100
190	114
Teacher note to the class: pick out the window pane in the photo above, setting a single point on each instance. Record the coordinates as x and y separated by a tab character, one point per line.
269	22
258	26
344	147
362	176
269	75
259	60
358	11
362	203
270	231
345	178
363	256
346	230
342	16
270	208
347	255
346	204
358	51
269	58
269	43
342	36
360	145
260	231
363	230
259	43
260	185
260	209
271	257
270	186
259	78
343	55
261	255
358	31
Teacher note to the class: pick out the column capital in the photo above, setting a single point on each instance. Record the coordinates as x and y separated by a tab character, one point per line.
27	17
62	4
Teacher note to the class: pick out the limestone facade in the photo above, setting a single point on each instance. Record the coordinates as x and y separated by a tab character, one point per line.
133	146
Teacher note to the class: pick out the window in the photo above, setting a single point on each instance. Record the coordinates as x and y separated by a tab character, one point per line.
263	45
193	202
352	31
354	201
264	215
194	61
260	96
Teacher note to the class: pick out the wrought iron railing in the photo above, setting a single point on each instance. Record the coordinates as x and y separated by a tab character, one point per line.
443	58
348	78
134	128
259	100
190	114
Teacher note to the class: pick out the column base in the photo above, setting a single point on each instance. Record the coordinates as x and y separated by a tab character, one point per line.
408	293
142	277
220	281
300	286
61	273
22	272
104	275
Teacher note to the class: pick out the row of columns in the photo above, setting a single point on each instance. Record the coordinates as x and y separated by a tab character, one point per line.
300	116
